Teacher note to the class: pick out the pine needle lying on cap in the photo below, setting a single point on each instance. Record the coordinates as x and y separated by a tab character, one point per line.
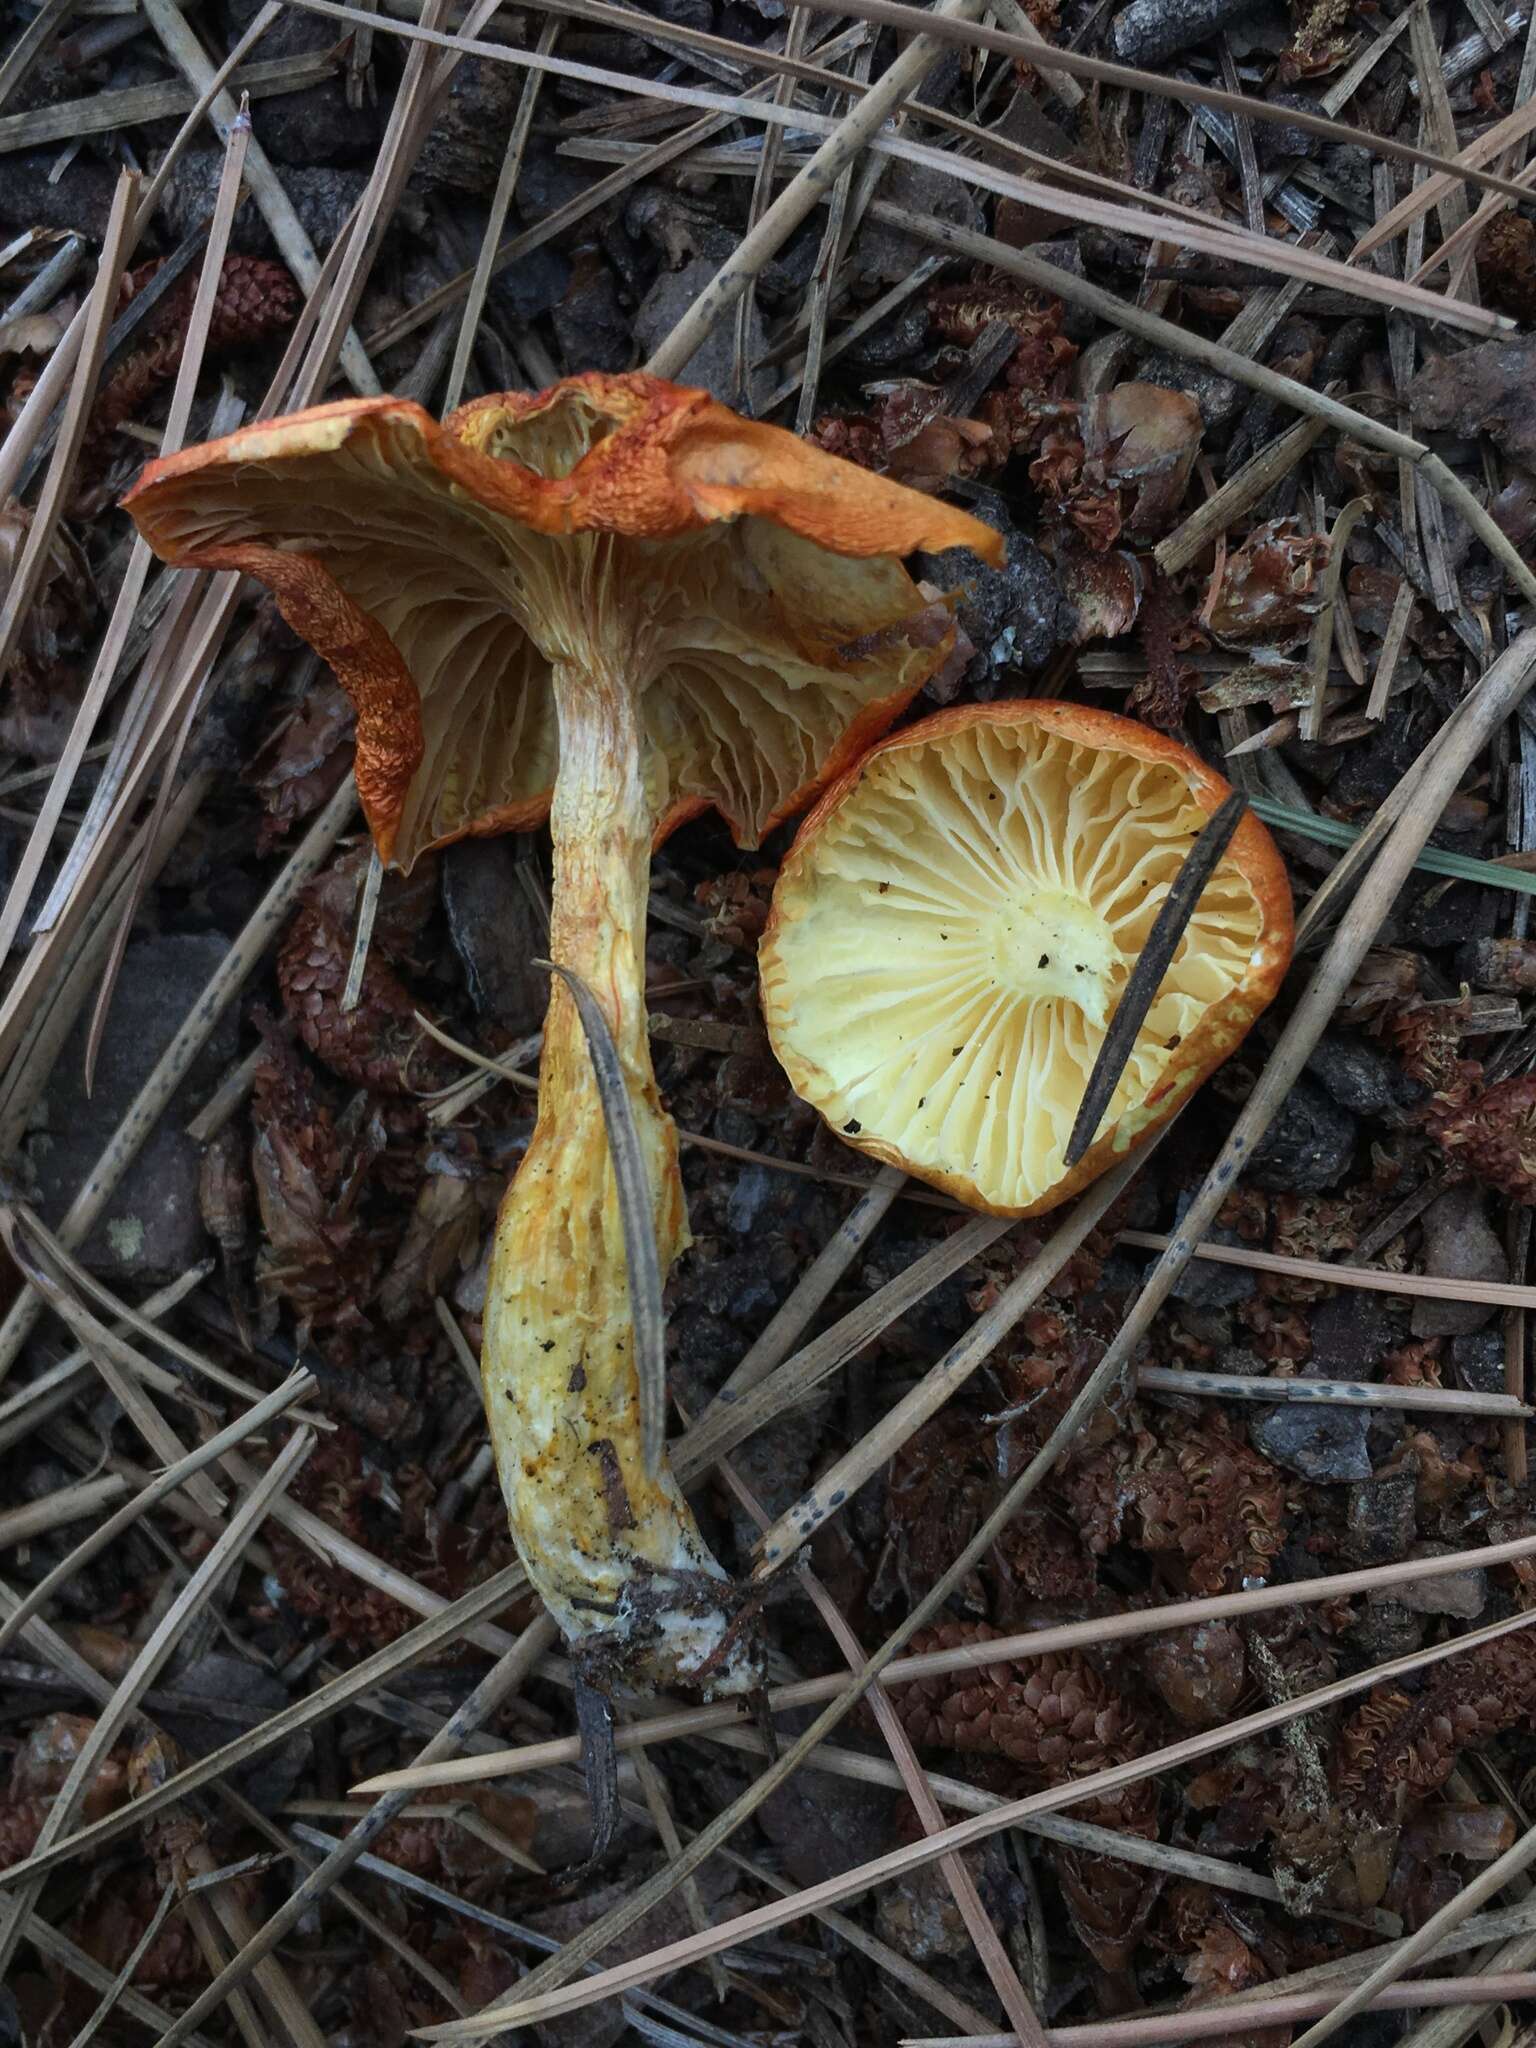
1147	975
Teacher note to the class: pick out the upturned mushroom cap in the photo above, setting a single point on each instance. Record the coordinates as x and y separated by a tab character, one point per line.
955	923
745	583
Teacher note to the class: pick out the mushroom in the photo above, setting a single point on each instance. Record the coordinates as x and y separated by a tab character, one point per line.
616	604
955	922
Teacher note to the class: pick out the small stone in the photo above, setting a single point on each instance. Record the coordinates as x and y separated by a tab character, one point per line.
712	366
1325	1443
323	196
1479	1361
592	327
151	1230
1386	1629
1219	398
1379	1519
1459	1244
1309	1145
1150	31
315	125
1463	1594
1015	617
221	1697
468	142
882	255
1351	1334
1205	1283
1273	144
1359	1077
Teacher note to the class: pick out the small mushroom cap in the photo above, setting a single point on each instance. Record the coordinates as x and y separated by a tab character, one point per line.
955	923
746	585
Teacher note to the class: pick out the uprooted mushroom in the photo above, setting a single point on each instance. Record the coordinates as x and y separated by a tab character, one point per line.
956	923
617	604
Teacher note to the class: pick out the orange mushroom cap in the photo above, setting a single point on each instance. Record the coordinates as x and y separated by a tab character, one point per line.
957	918
748	583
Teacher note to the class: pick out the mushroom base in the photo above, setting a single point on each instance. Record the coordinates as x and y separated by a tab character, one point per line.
612	1548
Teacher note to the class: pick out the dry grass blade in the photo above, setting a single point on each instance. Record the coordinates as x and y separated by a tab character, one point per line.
501	199
859	129
918	21
1146	977
536	2004
243	1524
805	191
733	1416
115	1359
1375	1279
57	1510
247	1425
125	1976
636	1215
1486	148
836	1486
446	1626
668	1726
499	1684
31	43
82	391
147	1107
1321	642
297	250
1221	2019
1180	341
367	911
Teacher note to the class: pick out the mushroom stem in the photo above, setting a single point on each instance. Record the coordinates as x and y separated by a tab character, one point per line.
612	1549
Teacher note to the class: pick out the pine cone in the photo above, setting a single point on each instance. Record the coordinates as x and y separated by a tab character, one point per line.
1055	1714
378	1044
1395	1751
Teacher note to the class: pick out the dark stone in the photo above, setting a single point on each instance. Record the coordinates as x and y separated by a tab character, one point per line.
891	342
1204	1282
79	203
494	932
1348	165
821	1826
1479	1359
1015	617
1273	144
1150	31
712	366
592	327
1325	1443
151	1230
1461	1594
468	142
883	255
524	290
316	125
1351	1333
1308	1146
1459	1244
1379	1519
1375	765
1386	1629
1359	1076
322	196
1219	398
1433	915
221	1697
698	14
548	181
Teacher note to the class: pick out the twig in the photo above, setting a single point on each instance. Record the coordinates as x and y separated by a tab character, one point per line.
1236	1386
1374	1279
1152	963
1321	640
